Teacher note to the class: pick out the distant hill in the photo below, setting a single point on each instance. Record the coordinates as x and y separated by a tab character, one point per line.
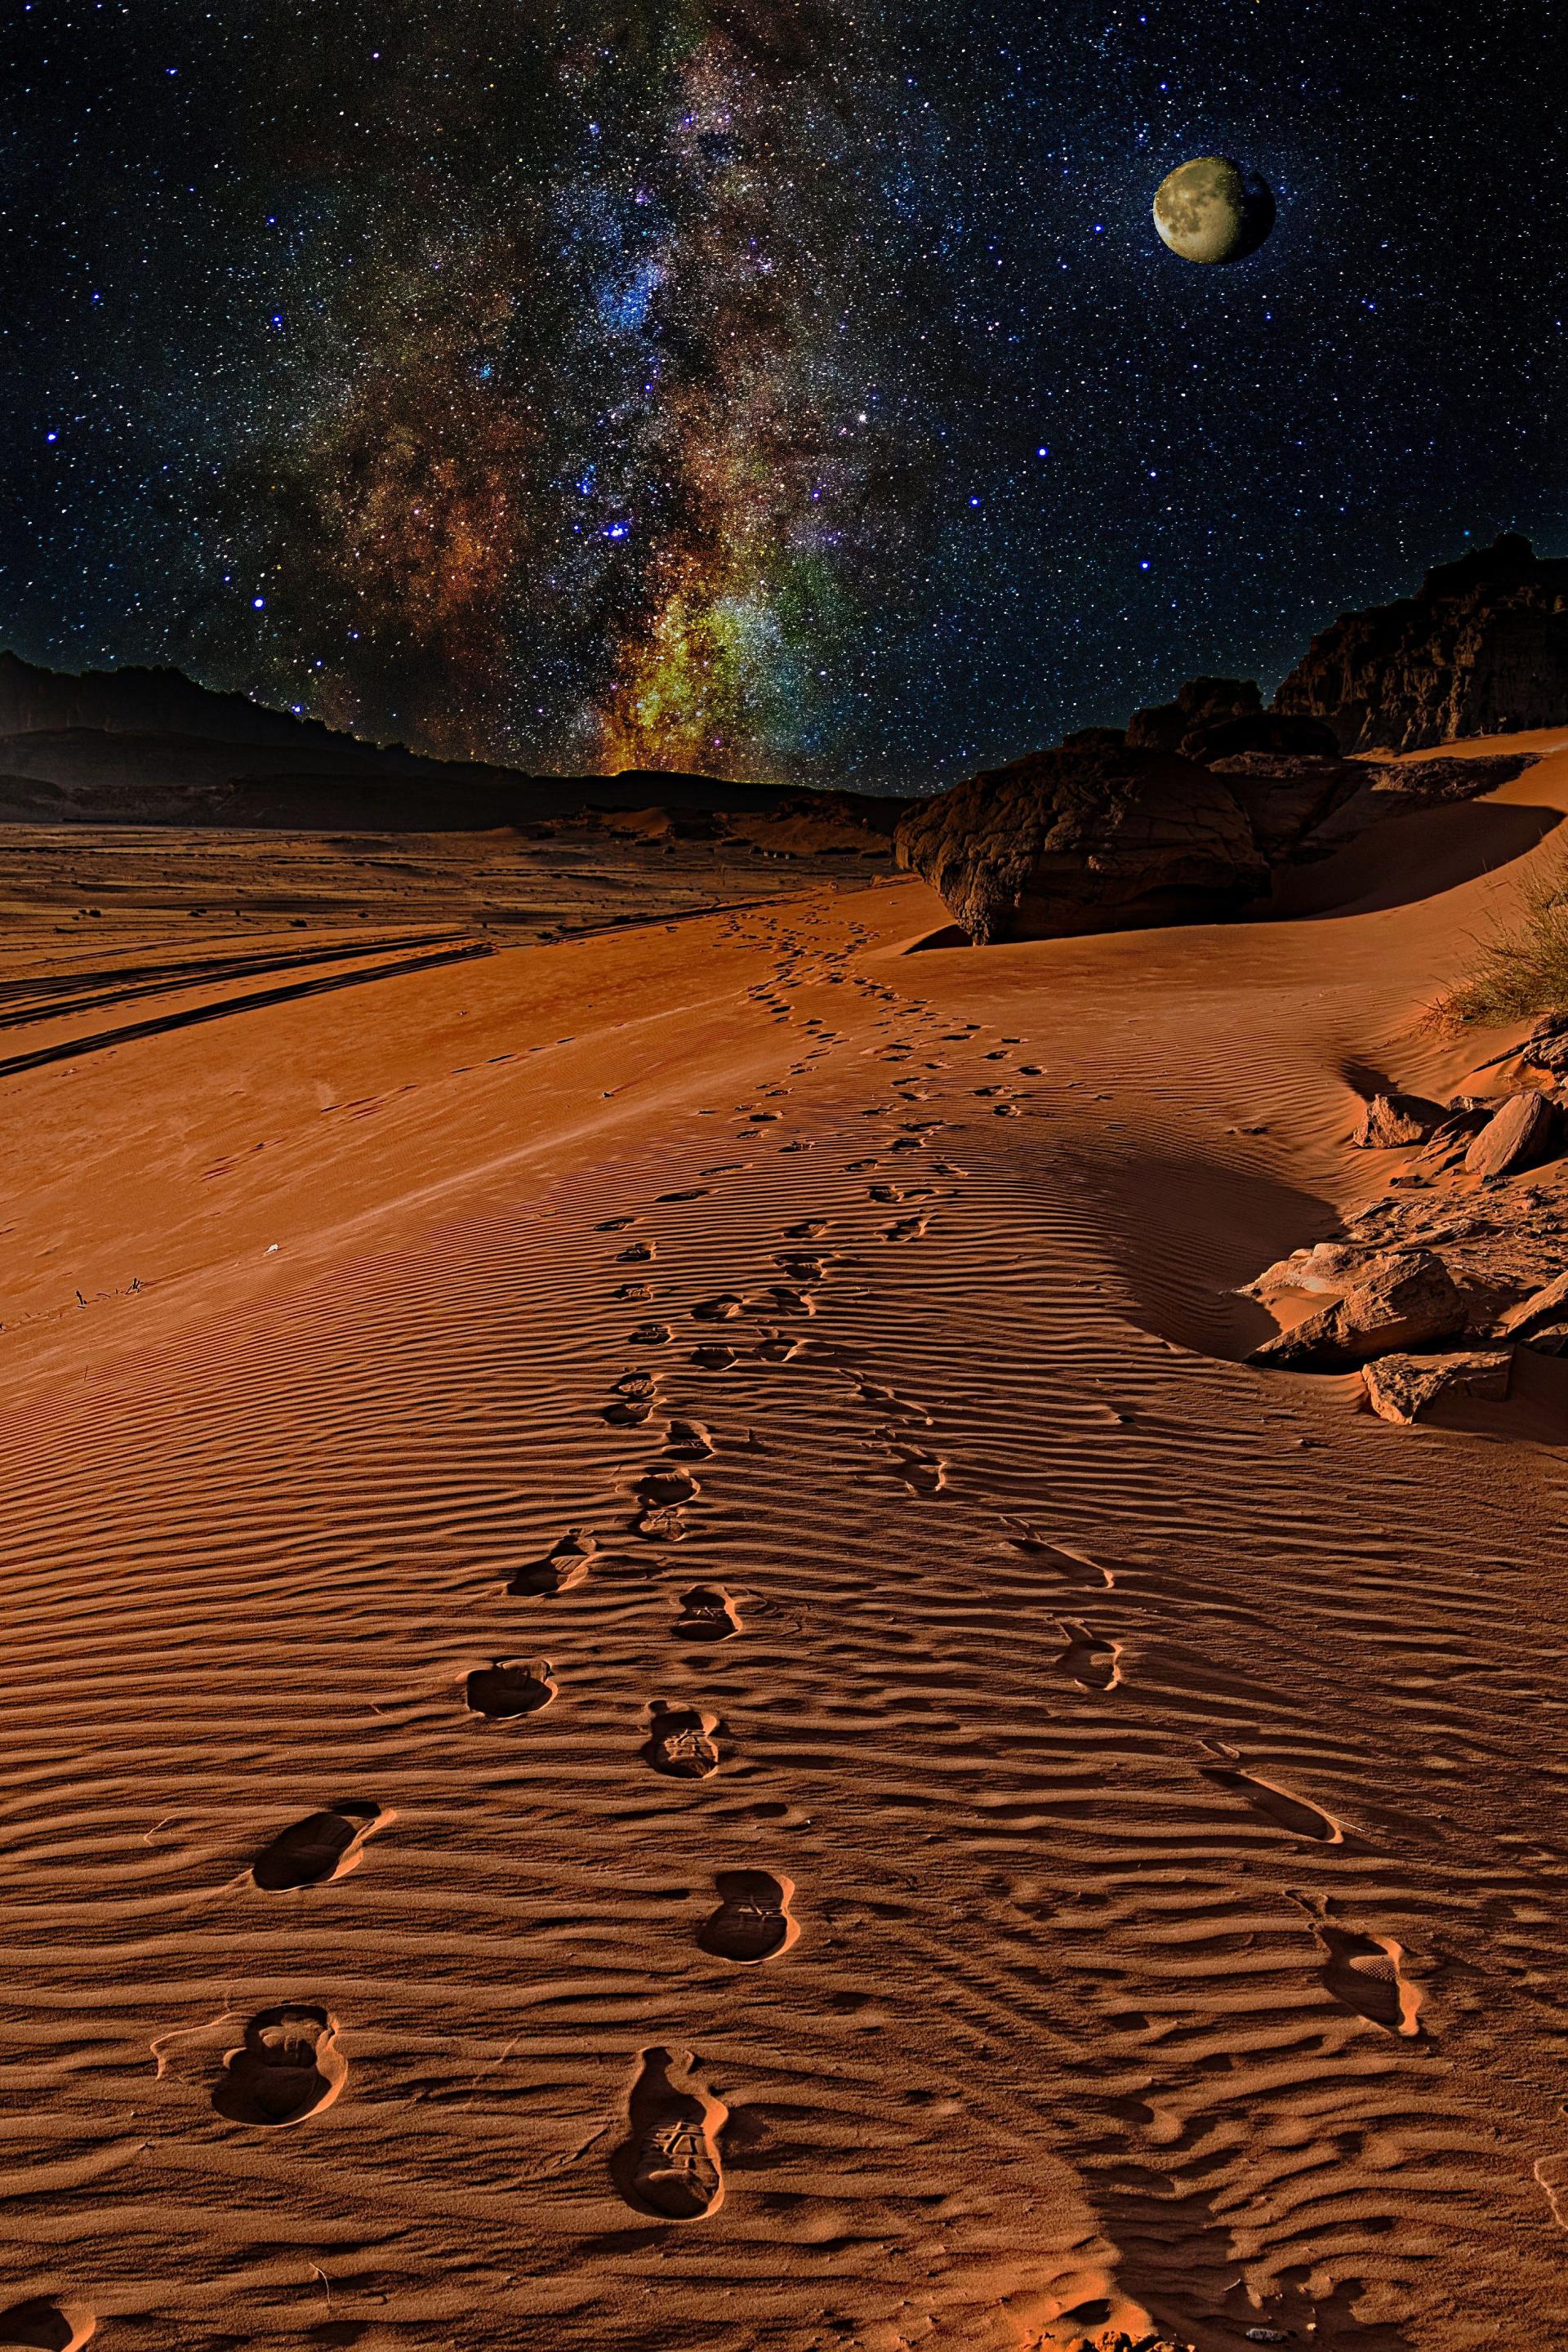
150	746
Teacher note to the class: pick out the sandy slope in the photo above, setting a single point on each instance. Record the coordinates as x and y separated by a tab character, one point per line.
1159	1760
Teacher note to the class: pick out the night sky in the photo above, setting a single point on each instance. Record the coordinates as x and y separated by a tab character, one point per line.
785	388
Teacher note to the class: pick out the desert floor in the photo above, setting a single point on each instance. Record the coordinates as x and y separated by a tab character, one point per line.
1141	1771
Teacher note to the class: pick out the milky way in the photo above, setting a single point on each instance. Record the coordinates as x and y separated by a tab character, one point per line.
788	391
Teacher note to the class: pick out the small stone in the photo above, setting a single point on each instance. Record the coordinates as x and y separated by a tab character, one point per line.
1518	1134
1399	1388
1389	1120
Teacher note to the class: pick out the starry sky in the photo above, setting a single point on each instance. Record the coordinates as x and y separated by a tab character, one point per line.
788	389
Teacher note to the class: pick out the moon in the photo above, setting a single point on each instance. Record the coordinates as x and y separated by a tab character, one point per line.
1213	209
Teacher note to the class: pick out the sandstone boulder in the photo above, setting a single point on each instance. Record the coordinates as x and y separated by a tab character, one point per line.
1481	649
1087	840
1397	1301
1519	1135
1401	1387
1388	1121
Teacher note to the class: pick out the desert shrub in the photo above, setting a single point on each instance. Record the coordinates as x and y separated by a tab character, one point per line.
1521	970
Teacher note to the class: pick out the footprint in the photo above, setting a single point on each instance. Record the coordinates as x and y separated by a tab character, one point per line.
723	1309
753	1922
614	1224
508	1687
778	1349
668	2165
322	1847
907	1229
681	1742
40	2325
561	1569
810	1229
1281	1806
287	2068
660	1523
714	1358
698	1192
689	1441
797	1264
707	1614
922	1473
1076	1566
633	1290
1363	1973
1092	1661
886	1193
650	1335
787	1300
634	1253
668	1484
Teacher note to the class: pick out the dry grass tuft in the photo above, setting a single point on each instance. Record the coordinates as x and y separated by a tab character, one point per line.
1522	969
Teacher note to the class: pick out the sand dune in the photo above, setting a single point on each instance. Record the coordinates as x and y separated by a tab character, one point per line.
669	1688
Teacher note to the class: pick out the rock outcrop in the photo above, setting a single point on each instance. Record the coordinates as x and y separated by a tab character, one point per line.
1481	649
1024	850
1097	838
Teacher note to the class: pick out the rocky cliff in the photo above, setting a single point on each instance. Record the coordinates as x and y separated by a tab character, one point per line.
1481	649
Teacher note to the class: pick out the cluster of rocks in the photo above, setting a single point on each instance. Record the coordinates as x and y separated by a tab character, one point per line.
1188	810
1116	830
1430	1291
